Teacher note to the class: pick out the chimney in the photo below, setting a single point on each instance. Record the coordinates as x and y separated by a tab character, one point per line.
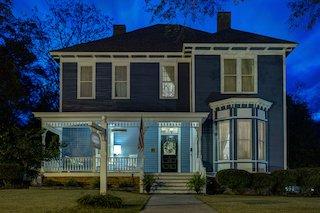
119	29
223	21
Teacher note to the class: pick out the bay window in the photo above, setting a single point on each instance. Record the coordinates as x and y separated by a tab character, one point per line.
244	139
261	140
224	140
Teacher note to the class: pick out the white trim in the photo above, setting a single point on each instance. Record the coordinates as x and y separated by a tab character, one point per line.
173	64
285	160
61	86
193	99
121	63
238	58
233	101
93	65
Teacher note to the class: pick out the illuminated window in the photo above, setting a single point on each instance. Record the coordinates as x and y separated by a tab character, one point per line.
117	149
224	140
168	81
86	81
261	140
244	138
120	81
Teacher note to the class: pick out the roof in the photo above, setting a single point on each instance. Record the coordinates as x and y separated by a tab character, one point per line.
168	38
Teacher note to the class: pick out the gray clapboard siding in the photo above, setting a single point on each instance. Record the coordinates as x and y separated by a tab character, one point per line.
144	90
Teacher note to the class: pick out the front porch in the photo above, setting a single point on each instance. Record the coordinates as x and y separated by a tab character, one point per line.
171	143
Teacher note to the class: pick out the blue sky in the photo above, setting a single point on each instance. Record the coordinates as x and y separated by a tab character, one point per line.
267	17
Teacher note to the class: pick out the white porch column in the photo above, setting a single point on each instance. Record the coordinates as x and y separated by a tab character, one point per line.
104	156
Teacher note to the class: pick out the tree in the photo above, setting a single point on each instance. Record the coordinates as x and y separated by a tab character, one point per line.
169	9
65	23
303	139
304	13
20	143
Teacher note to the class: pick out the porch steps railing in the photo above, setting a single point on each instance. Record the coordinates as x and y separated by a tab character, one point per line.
90	164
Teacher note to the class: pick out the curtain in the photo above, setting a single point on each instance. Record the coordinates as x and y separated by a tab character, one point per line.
224	140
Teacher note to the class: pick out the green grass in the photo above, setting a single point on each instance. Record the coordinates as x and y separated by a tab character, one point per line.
63	200
242	203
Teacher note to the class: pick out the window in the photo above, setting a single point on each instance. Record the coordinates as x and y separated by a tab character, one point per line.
120	81
224	140
168	81
244	135
86	81
239	75
261	140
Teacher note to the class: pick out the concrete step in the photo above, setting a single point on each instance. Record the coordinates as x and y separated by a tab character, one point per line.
173	180
173	192
171	184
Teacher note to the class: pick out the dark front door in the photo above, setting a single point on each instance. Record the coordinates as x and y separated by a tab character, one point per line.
169	153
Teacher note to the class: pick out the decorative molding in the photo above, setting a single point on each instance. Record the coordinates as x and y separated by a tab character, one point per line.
256	102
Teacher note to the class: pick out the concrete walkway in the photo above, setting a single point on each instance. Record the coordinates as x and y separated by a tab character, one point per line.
175	203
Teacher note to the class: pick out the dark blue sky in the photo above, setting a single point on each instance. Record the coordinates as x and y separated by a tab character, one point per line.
267	17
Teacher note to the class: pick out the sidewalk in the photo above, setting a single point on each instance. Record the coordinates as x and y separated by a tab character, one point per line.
175	203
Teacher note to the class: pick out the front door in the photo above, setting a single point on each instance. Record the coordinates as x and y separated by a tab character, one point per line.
169	153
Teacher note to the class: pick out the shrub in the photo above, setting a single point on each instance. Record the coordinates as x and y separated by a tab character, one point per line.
261	183
104	201
96	183
72	183
283	179
11	174
309	180
126	183
196	183
236	180
50	182
213	187
148	181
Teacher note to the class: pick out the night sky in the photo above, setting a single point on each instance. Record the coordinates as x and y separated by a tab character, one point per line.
266	17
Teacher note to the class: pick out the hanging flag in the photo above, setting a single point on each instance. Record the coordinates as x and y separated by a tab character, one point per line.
141	137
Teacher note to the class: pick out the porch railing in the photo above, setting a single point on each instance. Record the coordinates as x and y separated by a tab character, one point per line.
90	164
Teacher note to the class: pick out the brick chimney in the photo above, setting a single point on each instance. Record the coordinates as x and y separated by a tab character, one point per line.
223	21
119	29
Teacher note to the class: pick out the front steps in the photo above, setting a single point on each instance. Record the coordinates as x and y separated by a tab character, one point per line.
171	183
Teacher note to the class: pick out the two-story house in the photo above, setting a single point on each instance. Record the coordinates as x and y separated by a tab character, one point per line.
198	101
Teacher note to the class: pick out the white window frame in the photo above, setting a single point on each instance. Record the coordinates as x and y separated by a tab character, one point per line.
174	64
238	59
93	65
114	64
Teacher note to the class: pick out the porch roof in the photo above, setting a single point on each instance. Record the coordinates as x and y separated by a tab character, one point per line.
120	116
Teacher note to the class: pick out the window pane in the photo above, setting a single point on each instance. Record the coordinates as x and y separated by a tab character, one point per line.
245	166
168	73
86	89
222	166
261	140
120	73
86	73
224	140
247	84
244	134
120	89
247	66
168	89
230	66
230	84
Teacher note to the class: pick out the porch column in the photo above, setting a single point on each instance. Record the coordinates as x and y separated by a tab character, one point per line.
103	155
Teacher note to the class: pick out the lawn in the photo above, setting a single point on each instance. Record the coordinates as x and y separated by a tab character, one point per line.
63	200
241	203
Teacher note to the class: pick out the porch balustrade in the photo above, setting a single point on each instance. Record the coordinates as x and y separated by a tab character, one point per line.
91	164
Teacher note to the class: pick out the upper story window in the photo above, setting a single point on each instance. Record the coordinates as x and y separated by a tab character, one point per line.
121	81
86	81
238	74
168	81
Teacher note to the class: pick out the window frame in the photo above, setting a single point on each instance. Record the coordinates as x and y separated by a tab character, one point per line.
238	59
174	64
82	64
114	65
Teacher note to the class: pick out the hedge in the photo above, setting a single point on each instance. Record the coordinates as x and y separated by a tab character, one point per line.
236	180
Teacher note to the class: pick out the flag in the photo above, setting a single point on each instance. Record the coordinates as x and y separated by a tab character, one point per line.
141	136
